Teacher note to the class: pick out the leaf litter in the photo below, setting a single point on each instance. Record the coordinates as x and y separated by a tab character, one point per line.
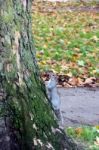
67	42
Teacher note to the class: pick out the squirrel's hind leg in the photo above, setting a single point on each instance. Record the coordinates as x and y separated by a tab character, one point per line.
59	117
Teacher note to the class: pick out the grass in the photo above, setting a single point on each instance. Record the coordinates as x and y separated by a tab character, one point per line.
89	136
67	42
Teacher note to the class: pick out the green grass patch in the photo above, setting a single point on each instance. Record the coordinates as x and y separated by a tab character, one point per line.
89	136
69	38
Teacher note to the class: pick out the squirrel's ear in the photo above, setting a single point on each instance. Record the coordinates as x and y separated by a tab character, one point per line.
56	79
51	74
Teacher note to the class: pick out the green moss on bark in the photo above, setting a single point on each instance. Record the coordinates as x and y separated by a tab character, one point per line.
29	117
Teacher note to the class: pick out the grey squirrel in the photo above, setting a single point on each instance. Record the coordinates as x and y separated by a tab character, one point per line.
53	96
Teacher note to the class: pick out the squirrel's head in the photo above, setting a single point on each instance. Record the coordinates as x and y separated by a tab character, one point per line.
53	78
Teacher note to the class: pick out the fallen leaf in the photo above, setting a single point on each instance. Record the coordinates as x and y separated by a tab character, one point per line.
79	131
81	63
73	81
90	80
97	141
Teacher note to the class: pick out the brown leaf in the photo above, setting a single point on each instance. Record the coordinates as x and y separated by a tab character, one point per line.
73	81
78	131
90	80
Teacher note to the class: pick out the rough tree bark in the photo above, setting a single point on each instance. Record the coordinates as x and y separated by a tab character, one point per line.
26	118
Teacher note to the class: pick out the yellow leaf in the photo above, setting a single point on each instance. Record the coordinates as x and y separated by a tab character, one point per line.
69	74
97	127
95	38
43	62
38	55
45	46
78	131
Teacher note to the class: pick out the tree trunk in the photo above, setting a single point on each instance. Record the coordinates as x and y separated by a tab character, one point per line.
26	118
